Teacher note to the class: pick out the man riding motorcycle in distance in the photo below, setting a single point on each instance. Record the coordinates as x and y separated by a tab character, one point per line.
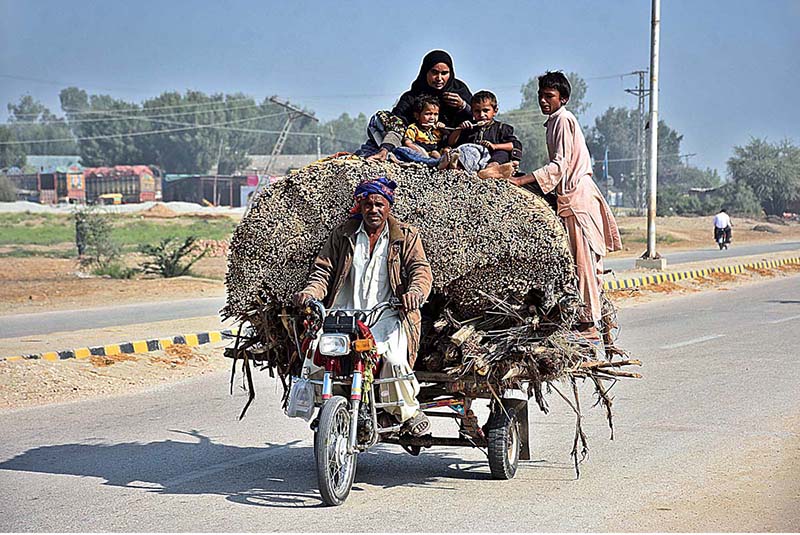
369	259
722	229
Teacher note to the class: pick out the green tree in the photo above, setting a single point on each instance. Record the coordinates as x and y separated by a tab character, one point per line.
615	130
99	250
11	155
344	133
771	170
8	193
739	199
103	122
181	133
30	120
193	150
687	176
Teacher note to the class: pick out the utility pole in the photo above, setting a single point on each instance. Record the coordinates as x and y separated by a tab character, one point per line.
293	114
216	175
641	92
651	258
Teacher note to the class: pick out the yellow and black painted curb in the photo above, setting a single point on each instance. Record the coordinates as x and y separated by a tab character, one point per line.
141	346
635	282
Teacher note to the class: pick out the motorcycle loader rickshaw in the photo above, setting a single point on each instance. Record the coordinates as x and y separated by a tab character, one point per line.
350	406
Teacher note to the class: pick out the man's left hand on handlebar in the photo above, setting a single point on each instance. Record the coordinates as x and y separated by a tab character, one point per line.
412	301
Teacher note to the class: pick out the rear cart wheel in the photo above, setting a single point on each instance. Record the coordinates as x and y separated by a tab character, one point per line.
504	443
336	468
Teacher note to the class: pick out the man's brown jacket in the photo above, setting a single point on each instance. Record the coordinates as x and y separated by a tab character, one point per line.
409	270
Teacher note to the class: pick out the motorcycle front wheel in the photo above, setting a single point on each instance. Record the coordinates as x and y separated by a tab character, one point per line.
336	468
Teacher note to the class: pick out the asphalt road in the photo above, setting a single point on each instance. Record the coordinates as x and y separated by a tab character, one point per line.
18	325
707	441
91	318
710	253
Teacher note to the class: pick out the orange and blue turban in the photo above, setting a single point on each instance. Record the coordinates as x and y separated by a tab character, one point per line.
381	186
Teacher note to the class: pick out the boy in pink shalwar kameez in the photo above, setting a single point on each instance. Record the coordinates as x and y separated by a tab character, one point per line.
591	227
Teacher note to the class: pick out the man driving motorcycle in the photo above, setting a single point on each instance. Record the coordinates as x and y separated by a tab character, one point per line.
722	229
369	259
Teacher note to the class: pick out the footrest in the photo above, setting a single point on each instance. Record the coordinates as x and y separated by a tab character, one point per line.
408	377
398	403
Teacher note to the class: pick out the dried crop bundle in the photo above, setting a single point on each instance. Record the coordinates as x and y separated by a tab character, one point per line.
478	234
504	295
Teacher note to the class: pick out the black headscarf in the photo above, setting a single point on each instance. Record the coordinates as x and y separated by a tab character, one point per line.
453	85
420	86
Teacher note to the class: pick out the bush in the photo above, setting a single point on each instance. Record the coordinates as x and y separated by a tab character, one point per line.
115	270
93	238
8	193
170	258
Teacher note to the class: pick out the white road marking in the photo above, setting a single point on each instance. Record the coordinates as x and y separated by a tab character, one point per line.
692	341
790	318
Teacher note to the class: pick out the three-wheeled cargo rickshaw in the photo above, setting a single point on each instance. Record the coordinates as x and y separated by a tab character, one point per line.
347	395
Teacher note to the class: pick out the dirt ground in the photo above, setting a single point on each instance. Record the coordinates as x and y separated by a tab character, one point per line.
35	382
40	284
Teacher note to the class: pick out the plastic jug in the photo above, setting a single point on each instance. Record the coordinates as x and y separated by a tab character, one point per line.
301	399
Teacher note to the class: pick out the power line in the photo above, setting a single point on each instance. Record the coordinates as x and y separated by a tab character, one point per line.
262	131
68	122
216	126
141	111
133	134
168	107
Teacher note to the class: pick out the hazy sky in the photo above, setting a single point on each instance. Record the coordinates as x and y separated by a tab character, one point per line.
729	69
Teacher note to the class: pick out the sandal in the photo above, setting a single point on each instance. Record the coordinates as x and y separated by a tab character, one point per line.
417	425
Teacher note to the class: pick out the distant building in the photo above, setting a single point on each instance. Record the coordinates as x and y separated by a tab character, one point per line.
41	163
702	193
27	185
136	183
216	190
282	165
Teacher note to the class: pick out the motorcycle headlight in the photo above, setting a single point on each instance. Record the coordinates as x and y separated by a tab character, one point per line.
334	345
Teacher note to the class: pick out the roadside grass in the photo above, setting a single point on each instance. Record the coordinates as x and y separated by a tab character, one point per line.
640	236
35	229
21	229
132	234
25	252
664	239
